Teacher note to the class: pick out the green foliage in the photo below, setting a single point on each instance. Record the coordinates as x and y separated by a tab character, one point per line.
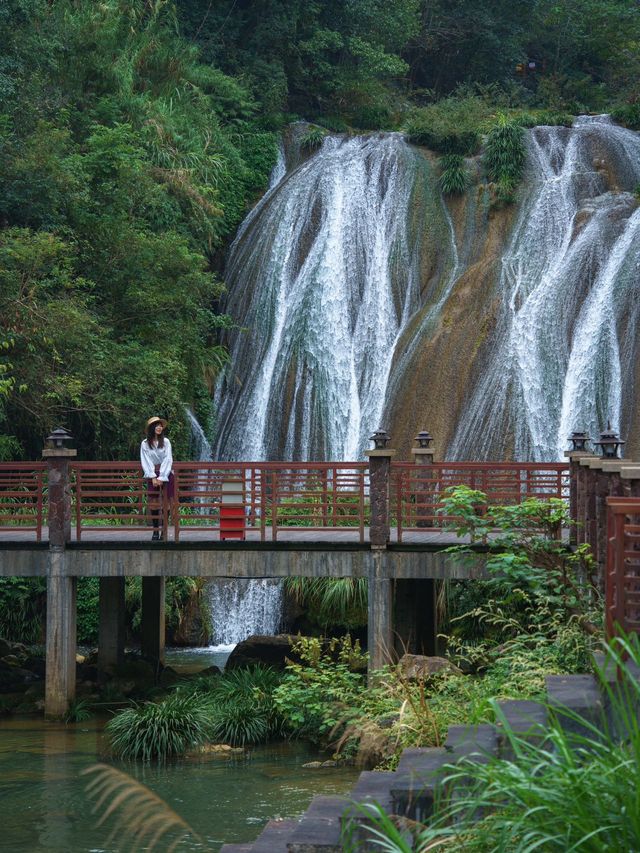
79	711
528	563
454	177
122	175
87	609
22	608
628	115
316	694
331	601
239	704
570	792
504	156
160	730
313	138
450	126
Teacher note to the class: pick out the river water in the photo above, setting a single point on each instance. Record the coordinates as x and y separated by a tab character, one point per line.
44	807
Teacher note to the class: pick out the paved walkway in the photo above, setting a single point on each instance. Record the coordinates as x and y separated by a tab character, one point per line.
330	537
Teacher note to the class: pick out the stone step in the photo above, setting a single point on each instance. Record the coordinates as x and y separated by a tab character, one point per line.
320	828
416	784
479	743
526	719
274	837
372	787
575	698
620	689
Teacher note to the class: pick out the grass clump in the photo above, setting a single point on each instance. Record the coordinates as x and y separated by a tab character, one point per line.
242	707
313	138
331	601
160	730
504	157
454	177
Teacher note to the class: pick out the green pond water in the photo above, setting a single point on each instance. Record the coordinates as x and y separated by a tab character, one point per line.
44	807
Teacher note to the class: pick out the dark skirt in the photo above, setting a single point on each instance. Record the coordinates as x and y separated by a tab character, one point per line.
168	487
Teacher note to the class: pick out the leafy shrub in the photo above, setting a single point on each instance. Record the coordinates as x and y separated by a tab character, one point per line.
320	694
454	177
160	730
450	126
628	115
22	607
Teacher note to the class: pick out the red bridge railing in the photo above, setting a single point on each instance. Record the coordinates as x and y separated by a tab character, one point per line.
622	572
273	496
417	490
22	496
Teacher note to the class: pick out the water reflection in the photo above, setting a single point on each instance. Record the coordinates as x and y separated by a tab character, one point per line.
43	806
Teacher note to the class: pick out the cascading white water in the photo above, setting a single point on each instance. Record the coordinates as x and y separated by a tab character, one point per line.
323	277
238	607
569	289
241	607
200	446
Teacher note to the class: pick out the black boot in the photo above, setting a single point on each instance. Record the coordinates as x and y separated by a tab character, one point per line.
155	536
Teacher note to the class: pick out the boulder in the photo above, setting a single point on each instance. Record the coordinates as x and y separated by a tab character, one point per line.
419	667
13	678
268	651
36	665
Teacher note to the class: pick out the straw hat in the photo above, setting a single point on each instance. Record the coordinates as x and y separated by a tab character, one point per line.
156	420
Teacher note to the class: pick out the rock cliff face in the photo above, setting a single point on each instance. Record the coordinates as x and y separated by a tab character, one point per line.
367	299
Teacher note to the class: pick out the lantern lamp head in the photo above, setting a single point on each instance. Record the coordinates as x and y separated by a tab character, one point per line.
59	437
579	441
609	443
424	438
380	439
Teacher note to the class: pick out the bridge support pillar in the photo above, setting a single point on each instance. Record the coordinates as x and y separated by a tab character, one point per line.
60	679
111	627
416	627
380	621
152	627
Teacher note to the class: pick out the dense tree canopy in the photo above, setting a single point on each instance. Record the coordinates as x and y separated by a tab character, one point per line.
136	134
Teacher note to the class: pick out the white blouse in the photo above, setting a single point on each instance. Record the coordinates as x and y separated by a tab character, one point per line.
152	455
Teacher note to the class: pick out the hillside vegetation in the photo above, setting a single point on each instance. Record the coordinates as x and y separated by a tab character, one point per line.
136	134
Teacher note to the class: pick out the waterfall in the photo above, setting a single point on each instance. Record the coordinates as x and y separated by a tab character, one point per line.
564	344
200	446
240	607
349	262
323	276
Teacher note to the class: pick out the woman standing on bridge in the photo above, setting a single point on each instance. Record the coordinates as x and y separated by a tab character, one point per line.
157	461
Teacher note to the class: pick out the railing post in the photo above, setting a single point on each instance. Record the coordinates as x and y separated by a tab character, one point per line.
60	679
422	456
380	621
576	508
379	476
